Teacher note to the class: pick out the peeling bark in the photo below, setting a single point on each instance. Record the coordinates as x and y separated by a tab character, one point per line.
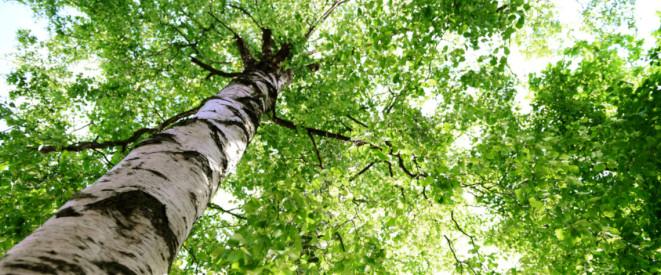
134	219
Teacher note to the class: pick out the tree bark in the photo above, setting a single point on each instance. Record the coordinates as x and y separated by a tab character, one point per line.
134	219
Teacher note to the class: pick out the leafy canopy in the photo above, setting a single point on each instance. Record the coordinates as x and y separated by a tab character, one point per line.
398	147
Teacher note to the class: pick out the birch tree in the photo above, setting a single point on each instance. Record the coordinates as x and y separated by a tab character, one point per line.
382	125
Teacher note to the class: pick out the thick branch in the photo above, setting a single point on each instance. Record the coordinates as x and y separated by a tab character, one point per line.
124	142
400	162
267	44
212	71
283	53
246	56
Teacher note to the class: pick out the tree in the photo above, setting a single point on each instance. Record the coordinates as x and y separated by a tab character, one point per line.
347	172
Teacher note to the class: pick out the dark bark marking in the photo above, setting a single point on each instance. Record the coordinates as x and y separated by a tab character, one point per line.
216	135
157	173
257	102
217	97
63	266
138	203
193	197
250	103
223	157
241	126
249	83
128	254
271	90
67	212
185	122
201	160
36	267
236	112
158	139
82	195
114	268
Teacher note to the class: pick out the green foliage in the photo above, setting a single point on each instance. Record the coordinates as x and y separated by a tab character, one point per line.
571	187
581	173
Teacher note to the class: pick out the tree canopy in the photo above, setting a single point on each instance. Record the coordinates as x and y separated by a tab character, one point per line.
399	146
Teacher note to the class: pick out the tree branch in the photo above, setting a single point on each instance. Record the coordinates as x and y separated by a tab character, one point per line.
246	57
247	13
217	207
212	71
108	163
400	162
464	232
316	150
459	262
288	124
267	44
124	142
323	17
283	53
356	121
341	241
190	252
362	171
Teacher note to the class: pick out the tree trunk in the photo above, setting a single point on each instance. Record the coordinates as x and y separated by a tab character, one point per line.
134	219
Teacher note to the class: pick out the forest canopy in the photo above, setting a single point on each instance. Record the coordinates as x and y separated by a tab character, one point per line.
406	140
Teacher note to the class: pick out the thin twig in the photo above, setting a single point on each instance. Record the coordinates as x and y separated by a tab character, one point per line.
356	121
217	207
288	124
323	17
316	150
108	162
464	232
224	25
246	13
362	171
190	251
337	234
459	263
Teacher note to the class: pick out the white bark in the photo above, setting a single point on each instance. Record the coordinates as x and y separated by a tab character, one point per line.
134	219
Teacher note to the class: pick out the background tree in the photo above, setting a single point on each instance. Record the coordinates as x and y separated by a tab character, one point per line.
349	173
